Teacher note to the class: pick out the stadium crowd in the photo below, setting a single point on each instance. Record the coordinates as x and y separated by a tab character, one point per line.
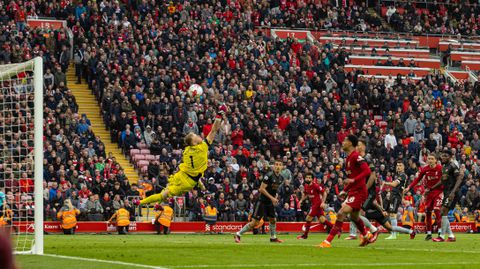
434	17
288	99
75	160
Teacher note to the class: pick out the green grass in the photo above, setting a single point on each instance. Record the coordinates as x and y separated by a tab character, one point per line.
219	251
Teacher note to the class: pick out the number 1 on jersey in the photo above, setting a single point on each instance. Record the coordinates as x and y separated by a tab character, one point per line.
191	160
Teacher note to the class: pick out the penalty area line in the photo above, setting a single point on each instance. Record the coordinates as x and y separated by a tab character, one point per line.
320	264
105	261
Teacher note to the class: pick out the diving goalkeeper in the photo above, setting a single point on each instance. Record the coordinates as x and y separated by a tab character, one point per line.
194	164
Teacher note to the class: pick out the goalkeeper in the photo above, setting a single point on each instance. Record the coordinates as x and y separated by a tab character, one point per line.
194	164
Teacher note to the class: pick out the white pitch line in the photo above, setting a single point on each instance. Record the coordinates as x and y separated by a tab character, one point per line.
321	264
258	265
105	261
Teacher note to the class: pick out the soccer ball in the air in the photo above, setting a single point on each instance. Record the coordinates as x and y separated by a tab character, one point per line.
195	90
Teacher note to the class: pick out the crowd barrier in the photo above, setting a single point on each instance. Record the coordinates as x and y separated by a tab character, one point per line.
202	227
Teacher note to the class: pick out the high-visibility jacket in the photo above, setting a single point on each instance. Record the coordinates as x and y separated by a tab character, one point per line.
122	217
464	218
165	216
407	218
332	216
457	217
6	217
211	211
68	218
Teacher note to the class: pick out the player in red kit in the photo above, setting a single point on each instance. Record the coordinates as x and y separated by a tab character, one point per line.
317	194
358	172
432	181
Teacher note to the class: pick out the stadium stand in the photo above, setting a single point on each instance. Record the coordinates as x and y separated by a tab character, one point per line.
296	100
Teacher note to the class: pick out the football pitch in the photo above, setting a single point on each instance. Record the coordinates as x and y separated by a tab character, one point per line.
255	251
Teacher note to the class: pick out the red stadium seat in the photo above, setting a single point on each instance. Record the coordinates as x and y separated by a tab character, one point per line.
142	163
145	151
134	152
137	158
150	157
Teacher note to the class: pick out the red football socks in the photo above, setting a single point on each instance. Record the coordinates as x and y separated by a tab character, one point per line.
307	227
334	231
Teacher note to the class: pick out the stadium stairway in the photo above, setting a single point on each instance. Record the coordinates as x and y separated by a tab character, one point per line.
88	105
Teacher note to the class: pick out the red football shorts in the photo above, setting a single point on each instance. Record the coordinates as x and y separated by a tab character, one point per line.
316	211
355	200
433	200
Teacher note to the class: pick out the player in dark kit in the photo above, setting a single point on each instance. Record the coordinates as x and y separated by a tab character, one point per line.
317	194
265	206
373	210
358	172
432	180
451	179
398	184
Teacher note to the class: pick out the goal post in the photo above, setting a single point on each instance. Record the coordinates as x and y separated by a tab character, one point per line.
21	153
38	154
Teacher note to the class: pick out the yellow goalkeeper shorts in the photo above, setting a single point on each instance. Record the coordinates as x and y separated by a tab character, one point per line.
180	183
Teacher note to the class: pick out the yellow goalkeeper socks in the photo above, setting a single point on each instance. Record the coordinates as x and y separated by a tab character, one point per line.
153	198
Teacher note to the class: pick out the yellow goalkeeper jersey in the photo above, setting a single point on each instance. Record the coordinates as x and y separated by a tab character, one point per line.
195	159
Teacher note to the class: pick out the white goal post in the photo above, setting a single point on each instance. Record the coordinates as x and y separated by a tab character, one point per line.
18	82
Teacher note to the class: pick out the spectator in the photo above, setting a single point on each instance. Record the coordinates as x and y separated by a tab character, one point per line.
241	206
472	198
390	140
226	211
190	127
107	206
410	125
94	208
286	213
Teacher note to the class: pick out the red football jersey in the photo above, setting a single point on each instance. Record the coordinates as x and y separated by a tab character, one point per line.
314	192
358	170
431	177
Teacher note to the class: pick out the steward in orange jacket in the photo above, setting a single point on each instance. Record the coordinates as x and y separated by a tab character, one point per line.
121	219
68	216
163	218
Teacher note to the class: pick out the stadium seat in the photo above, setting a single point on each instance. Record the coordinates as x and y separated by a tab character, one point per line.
134	151
142	163
150	157
138	156
145	151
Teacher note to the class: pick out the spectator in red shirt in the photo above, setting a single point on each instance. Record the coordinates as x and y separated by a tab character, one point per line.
84	192
237	137
207	128
284	121
342	134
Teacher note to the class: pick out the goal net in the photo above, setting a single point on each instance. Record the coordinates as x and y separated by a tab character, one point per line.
21	154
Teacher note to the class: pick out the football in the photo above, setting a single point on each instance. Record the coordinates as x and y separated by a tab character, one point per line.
195	91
